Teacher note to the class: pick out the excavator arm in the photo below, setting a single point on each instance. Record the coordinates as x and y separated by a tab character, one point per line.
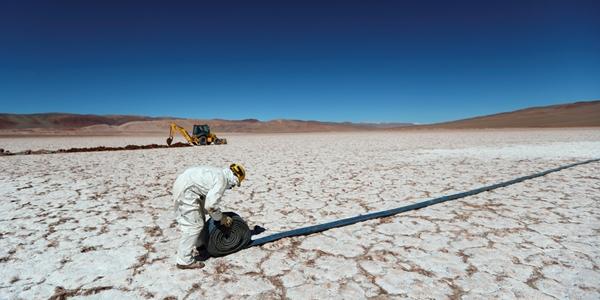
176	128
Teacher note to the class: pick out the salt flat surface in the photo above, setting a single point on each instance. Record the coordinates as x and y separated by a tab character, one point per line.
101	225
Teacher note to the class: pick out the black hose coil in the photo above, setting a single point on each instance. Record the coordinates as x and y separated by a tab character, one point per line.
223	241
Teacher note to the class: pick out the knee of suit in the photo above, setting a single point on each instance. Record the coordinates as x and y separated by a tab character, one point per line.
191	229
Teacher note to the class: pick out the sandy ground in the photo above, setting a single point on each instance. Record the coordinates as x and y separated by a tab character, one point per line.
101	225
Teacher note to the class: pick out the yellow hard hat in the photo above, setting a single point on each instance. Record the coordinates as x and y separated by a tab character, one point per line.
238	171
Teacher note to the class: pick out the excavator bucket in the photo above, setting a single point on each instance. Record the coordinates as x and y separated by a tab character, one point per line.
169	141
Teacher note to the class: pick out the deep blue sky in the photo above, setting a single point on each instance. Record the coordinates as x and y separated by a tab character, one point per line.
383	61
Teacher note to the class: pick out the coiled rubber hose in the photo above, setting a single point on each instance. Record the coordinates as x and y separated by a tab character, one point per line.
223	241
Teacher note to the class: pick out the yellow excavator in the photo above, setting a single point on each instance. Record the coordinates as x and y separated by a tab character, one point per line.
201	135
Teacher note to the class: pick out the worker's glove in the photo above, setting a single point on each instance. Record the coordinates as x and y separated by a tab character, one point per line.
226	221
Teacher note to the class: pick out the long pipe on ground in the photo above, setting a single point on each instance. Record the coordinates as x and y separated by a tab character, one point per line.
390	212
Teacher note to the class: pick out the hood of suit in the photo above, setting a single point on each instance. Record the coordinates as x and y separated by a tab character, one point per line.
232	180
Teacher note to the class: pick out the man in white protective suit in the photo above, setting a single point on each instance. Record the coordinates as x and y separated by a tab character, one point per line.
196	192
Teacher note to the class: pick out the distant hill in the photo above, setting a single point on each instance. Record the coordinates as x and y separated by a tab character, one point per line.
63	120
75	124
578	114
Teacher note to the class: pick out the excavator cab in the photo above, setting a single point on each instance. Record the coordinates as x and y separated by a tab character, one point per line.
202	133
201	130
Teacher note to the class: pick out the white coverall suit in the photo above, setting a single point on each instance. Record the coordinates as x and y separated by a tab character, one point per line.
196	192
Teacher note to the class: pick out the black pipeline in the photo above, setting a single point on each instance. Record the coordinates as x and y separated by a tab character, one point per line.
394	211
223	241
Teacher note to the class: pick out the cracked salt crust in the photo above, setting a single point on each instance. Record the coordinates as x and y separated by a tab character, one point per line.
101	225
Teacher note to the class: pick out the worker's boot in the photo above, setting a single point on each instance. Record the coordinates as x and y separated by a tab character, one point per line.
194	265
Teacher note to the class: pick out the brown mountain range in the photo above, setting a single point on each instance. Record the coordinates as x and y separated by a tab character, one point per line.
579	114
74	124
63	120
